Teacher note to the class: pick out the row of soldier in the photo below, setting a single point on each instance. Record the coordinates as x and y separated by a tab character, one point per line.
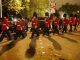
20	27
55	24
13	29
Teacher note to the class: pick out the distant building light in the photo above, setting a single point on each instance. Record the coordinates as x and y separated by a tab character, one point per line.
15	19
78	11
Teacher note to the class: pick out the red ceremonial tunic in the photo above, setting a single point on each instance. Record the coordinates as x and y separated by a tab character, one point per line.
56	22
75	21
20	22
65	21
47	22
34	23
5	21
70	21
19	27
4	27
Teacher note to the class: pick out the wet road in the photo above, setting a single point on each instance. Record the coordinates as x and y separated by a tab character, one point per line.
55	47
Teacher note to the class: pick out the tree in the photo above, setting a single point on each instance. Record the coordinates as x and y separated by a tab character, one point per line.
39	6
69	8
25	7
11	7
5	10
15	5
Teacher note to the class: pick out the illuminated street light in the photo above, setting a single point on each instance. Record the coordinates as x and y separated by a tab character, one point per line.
17	1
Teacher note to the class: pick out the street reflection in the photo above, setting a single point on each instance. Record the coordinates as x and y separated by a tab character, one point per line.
6	47
56	45
32	48
69	39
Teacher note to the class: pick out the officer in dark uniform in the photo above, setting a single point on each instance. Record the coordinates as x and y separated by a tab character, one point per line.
70	22
26	24
60	24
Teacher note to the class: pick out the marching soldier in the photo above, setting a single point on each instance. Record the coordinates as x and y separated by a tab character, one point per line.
5	21
60	24
75	22
70	22
35	27
65	23
56	25
19	30
47	26
5	30
20	22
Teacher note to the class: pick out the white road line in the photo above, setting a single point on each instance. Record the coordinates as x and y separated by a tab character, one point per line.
41	43
43	52
42	47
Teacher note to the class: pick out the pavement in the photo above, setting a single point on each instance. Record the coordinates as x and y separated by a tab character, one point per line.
55	47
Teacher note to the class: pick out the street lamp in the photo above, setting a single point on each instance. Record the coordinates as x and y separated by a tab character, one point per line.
0	8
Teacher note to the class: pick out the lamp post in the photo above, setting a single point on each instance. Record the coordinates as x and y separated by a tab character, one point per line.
0	8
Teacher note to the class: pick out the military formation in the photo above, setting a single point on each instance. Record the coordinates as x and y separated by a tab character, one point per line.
18	29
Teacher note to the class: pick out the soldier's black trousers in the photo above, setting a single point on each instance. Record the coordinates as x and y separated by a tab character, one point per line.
20	33
56	30
64	28
35	31
46	31
4	33
75	27
70	28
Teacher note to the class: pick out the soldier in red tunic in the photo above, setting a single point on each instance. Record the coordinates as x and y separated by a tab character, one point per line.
5	21
19	29
5	30
35	27
20	22
75	22
47	26
56	25
65	23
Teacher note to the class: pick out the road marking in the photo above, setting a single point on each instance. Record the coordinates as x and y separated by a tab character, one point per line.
40	40
41	43
42	47
43	52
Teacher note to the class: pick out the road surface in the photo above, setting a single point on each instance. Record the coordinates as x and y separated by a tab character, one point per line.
55	47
